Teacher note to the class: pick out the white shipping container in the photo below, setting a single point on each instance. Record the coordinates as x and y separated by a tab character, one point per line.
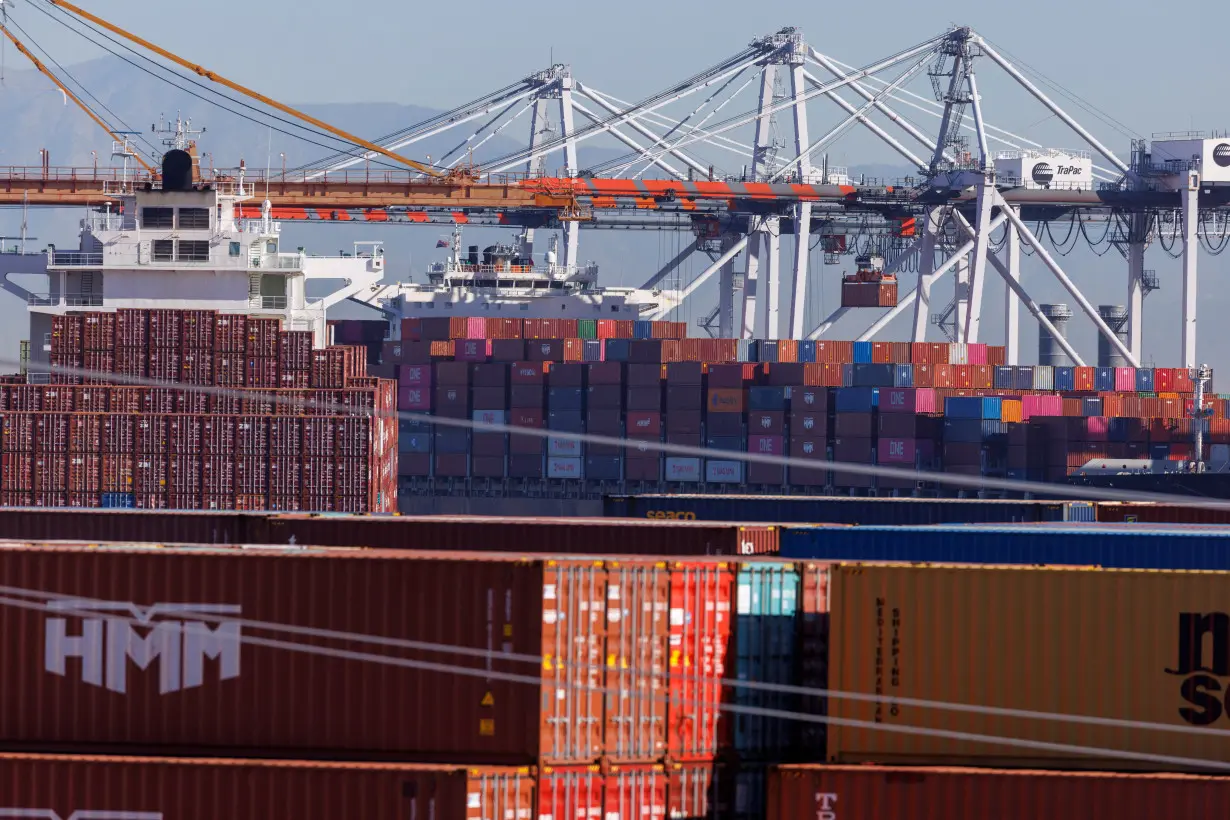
683	469
566	447
958	354
723	472
490	417
1044	377
565	468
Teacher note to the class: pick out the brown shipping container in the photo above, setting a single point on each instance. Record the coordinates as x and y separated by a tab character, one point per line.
893	793
1127	645
200	789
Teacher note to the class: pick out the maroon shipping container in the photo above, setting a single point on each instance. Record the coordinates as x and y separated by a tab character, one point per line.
295	350
85	433
203	789
18	472
604	373
24	397
252	435
183	475
160	400
810	399
118	434
644	425
507	350
99	331
566	375
117	473
197	367
285	436
231	333
57	399
642	467
604	396
262	337
229	369
218	475
184	434
724	424
165	329
808	424
643	399
149	473
545	350
766	422
251	475
92	399
686	397
687	422
197	329
918	793
217	435
51	432
164	364
131	328
151	434
263	372
853	425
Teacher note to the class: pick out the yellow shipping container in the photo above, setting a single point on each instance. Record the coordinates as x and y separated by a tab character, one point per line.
1128	645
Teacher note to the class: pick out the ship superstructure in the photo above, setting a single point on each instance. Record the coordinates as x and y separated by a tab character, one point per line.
506	280
176	243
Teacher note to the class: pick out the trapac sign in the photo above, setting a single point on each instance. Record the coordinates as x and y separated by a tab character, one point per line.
107	643
826	806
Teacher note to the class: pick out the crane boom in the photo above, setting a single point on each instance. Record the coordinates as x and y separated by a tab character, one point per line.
63	88
234	86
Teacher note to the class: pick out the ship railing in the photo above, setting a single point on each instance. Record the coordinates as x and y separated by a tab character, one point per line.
109	222
58	300
75	259
268	302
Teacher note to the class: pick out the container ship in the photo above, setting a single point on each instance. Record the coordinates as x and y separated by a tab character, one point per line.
167	298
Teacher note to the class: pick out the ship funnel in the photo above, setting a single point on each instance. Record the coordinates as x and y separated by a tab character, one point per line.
176	171
1049	352
1115	317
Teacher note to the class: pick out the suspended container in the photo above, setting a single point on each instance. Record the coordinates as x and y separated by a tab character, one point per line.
869	286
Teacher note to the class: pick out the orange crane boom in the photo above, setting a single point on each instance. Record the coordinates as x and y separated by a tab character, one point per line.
234	86
64	89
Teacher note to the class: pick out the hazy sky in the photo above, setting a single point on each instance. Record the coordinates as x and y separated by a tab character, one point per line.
1150	67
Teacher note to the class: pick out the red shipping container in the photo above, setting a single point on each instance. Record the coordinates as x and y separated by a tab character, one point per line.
251	474
230	333
285	476
151	434
100	362
262	337
229	369
19	433
252	436
84	473
354	436
318	475
295	350
149	473
285	436
197	329
700	631
218	435
319	437
117	473
157	400
918	793
264	373
57	399
131	328
644	425
118	434
24	397
132	362
50	499
165	326
85	433
218	475
503	329
99	331
18	472
51	432
184	474
191	402
66	334
196	367
766	422
164	364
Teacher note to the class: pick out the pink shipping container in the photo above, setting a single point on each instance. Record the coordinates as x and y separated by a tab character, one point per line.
915	401
977	353
767	445
414	398
417	375
1097	428
897	451
476	327
1125	379
472	350
1041	406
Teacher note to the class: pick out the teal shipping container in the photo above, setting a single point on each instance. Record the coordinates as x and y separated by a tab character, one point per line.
766	626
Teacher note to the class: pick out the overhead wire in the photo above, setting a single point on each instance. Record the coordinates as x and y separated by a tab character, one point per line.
83	91
81	606
69	21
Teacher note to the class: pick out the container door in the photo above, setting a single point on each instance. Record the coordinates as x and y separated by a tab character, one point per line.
767	610
573	635
636	792
814	653
637	612
700	631
571	793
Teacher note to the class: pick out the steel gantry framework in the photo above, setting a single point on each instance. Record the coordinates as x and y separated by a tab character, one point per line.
708	155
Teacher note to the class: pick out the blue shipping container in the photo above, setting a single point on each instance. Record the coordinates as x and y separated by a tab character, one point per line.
847	375
617	350
566	421
1091	406
903	376
1004	376
1065	379
642	329
970	431
836	510
768	351
592	352
418	442
1144	380
565	398
768	398
604	468
807	352
855	399
1104	379
872	375
973	407
730	444
1023	378
766	612
452	441
1133	546
862	352
118	501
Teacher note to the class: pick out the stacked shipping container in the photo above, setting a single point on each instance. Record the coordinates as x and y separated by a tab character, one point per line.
304	429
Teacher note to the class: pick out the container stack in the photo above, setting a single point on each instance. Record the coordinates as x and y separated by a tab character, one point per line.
916	407
303	429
